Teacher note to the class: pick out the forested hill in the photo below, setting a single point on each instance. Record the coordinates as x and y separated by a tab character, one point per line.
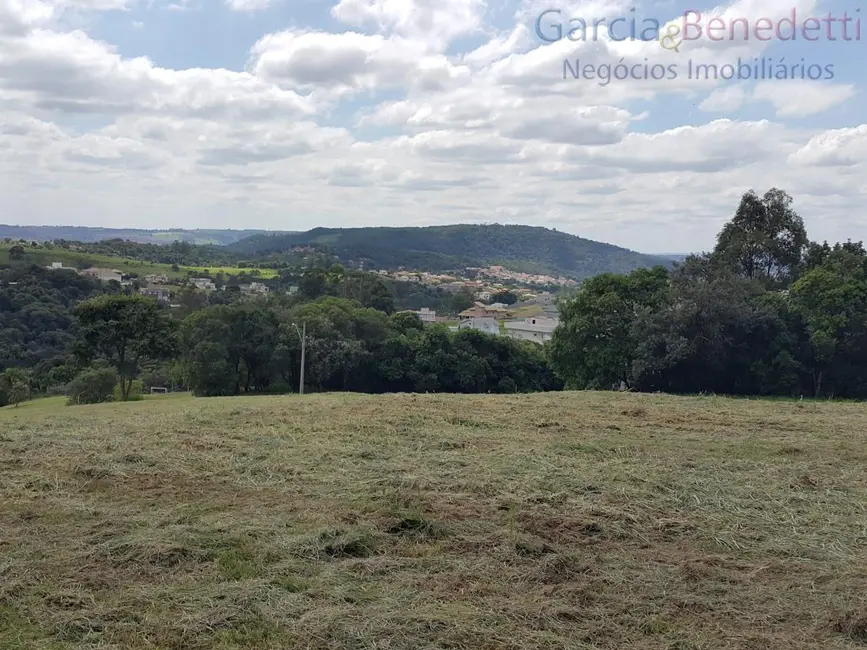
440	248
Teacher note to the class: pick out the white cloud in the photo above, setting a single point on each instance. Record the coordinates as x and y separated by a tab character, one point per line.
723	100
411	112
433	22
840	147
249	5
798	98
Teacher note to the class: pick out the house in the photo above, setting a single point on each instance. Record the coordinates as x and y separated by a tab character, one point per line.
205	284
426	315
293	289
58	266
481	310
160	294
482	324
545	298
254	287
105	275
537	330
157	278
483	295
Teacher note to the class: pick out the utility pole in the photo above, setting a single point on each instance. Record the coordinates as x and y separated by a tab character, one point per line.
303	336
303	351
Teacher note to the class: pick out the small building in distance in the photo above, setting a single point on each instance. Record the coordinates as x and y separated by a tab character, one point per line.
160	294
105	275
481	310
157	278
427	315
254	287
205	284
537	330
58	266
482	324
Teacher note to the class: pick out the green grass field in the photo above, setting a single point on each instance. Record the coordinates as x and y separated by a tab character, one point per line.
44	257
570	520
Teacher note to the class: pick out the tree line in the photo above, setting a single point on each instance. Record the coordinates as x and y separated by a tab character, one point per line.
98	342
767	312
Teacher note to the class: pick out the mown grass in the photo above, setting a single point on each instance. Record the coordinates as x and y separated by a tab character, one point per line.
573	520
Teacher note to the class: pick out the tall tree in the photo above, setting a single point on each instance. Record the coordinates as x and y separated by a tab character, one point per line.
766	239
832	299
125	330
717	333
593	347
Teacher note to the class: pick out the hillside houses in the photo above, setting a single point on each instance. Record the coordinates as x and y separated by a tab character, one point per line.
159	293
537	330
481	324
204	284
257	288
481	310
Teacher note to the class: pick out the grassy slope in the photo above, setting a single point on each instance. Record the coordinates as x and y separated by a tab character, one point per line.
403	522
44	257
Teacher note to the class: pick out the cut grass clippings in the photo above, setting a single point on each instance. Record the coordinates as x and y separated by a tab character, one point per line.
569	520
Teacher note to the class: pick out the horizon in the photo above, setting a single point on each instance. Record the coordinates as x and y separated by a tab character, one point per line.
284	232
372	113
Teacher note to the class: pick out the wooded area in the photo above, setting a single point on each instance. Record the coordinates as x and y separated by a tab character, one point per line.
767	312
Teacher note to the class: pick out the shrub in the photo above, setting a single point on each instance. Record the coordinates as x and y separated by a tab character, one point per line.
92	387
14	386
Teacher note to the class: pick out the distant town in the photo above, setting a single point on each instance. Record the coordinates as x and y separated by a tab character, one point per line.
531	316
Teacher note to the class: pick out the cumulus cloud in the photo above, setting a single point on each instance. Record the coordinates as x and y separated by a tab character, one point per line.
249	5
797	98
413	112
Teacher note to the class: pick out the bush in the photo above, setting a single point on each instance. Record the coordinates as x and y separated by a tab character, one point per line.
14	386
92	387
135	390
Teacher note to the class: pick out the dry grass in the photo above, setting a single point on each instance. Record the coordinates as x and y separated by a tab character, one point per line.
554	521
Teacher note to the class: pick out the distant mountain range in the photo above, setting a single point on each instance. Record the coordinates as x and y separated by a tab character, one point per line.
442	248
142	236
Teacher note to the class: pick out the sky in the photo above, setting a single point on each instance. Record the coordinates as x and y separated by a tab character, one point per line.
292	114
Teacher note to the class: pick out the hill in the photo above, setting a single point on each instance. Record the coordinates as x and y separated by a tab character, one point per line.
571	520
81	260
142	236
441	248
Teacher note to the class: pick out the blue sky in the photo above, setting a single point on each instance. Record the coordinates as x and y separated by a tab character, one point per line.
292	114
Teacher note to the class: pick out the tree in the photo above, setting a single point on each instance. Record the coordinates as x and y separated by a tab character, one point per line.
125	330
505	297
461	301
832	299
765	240
14	386
594	347
16	252
719	333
